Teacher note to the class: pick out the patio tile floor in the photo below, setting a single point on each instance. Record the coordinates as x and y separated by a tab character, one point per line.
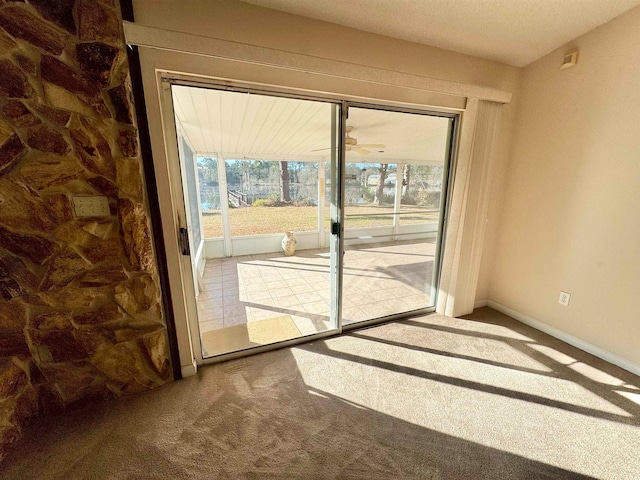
379	280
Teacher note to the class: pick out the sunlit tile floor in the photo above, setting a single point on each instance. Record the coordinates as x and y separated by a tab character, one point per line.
379	280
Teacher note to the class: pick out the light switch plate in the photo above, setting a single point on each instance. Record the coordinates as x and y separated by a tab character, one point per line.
91	206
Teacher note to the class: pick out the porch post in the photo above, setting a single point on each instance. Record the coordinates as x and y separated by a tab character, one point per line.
224	205
396	203
321	203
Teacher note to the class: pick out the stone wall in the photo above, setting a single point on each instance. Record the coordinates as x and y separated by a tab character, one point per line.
80	314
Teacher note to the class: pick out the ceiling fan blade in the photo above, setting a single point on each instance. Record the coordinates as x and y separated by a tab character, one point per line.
320	149
372	145
361	151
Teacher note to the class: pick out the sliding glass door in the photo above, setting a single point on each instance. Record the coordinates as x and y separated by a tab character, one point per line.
311	214
270	271
396	173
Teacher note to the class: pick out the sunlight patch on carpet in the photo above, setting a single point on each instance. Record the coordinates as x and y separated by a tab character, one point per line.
252	334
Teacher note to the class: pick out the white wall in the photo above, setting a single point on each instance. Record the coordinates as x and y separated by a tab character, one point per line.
571	209
250	24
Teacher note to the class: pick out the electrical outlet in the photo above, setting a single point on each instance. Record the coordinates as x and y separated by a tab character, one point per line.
564	298
91	206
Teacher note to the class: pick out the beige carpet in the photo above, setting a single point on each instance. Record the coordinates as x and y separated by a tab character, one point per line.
238	337
432	398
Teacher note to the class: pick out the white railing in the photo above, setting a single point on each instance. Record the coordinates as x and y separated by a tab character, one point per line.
238	199
271	242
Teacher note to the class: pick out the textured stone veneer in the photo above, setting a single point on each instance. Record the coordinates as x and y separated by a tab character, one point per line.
80	315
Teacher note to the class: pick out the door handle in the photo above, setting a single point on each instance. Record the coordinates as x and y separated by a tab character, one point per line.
183	240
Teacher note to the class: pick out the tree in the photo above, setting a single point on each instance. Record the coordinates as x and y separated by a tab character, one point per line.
208	169
381	179
406	177
285	195
245	170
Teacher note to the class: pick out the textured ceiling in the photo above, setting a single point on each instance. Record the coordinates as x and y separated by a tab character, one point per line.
515	32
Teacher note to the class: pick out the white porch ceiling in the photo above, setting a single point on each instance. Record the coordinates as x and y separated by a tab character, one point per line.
515	32
239	125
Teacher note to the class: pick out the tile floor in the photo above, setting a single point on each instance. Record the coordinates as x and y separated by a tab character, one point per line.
379	280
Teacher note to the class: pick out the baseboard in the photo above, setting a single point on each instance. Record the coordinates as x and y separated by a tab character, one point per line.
481	303
189	370
567	338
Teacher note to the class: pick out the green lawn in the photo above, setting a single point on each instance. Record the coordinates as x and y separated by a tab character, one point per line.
260	220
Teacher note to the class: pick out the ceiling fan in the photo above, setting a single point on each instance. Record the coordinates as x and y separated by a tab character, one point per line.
353	145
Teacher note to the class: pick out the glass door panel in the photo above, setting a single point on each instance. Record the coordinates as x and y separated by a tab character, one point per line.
271	263
191	193
395	172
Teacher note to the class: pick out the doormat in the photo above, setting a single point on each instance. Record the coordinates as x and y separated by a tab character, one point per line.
239	337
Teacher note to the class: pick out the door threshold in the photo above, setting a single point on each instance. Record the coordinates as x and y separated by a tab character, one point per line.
317	336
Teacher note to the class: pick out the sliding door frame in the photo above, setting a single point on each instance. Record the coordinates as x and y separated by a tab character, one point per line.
174	161
167	79
447	182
